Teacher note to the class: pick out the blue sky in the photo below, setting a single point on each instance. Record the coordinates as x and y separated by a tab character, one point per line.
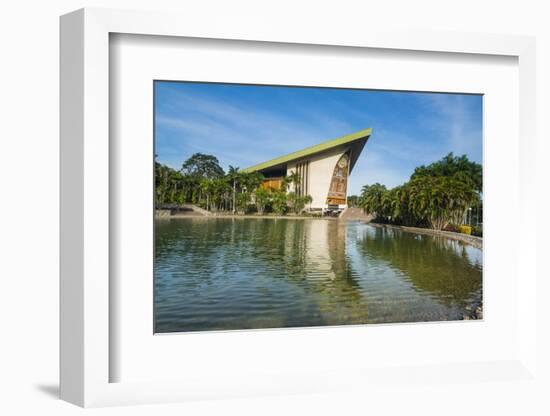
243	125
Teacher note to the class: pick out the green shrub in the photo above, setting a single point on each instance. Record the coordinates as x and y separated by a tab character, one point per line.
278	201
262	197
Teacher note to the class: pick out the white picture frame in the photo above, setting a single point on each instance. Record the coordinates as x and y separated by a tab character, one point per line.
85	211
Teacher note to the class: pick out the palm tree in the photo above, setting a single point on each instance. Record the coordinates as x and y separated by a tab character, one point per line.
441	200
251	181
292	179
372	198
279	201
261	197
233	175
208	187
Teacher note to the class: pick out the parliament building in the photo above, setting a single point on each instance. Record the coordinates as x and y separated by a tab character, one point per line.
323	169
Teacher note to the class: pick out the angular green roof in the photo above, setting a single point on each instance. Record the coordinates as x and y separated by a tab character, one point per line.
308	151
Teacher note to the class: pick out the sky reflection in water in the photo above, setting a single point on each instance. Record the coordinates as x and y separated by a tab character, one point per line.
222	274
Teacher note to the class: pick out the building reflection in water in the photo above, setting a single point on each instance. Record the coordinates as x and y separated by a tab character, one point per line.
264	273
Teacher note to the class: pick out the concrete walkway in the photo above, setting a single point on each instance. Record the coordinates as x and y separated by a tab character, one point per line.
185	210
354	214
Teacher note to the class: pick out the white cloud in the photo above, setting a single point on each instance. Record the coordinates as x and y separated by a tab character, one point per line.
243	135
238	135
454	121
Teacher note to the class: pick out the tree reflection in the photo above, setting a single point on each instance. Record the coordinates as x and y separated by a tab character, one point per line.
235	273
435	265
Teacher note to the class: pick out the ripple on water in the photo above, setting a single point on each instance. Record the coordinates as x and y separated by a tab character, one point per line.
223	274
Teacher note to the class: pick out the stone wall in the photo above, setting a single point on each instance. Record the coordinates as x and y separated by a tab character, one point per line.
472	240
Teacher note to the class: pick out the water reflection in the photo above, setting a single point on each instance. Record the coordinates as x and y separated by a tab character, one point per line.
263	273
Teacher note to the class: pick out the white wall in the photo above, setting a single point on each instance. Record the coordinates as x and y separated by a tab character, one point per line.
321	168
29	208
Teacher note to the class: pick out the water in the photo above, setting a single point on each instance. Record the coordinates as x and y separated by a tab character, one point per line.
235	273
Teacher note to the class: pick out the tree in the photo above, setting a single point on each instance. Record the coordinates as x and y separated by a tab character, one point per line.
443	191
297	203
202	181
451	165
441	200
279	201
250	181
169	185
372	197
203	166
400	211
234	175
303	201
292	179
243	200
207	187
220	191
353	201
261	197
436	195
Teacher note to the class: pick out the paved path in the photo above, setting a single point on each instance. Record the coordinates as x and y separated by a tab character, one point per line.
190	210
354	214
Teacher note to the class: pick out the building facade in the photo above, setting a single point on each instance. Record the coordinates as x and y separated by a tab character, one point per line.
323	170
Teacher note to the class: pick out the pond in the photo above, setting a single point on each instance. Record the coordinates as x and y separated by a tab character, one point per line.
242	273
